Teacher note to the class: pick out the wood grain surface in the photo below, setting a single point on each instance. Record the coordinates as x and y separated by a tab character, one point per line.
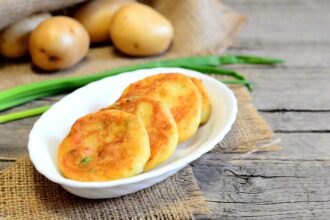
293	97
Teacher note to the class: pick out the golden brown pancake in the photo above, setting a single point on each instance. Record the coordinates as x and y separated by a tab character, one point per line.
159	122
178	93
104	145
206	103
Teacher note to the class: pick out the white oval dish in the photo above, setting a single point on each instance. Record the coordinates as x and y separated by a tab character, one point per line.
54	125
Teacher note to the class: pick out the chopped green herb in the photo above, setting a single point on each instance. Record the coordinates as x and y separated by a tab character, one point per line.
85	160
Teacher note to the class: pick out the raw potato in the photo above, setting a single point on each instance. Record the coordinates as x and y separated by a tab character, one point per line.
139	30
15	38
58	43
96	17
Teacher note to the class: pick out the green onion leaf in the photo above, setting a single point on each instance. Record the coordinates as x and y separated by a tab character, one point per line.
38	111
23	114
205	64
85	160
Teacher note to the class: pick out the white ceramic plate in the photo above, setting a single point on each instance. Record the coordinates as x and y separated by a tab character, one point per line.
54	125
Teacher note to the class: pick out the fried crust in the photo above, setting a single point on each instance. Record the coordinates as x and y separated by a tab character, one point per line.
178	93
160	125
206	103
105	145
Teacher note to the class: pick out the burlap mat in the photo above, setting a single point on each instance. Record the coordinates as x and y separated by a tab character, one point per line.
13	10
201	27
25	194
250	133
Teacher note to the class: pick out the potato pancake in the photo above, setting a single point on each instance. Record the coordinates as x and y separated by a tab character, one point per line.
105	145
160	125
206	103
178	93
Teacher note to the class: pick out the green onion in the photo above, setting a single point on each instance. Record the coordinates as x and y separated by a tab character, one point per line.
237	82
39	110
23	114
219	71
241	59
15	102
206	64
85	160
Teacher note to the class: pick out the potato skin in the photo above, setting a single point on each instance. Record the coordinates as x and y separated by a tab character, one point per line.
58	43
15	38
96	17
139	30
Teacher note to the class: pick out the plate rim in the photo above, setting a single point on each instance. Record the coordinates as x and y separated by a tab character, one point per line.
207	146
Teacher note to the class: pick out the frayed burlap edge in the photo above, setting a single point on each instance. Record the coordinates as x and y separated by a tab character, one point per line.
26	194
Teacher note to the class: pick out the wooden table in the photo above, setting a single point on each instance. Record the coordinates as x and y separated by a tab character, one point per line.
292	97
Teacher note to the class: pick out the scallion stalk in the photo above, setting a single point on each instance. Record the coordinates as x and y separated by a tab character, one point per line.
23	114
40	110
220	71
206	64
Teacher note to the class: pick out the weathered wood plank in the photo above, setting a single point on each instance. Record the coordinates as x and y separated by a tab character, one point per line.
296	55
14	135
293	30
268	185
296	31
298	121
269	190
284	21
287	210
291	89
298	147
